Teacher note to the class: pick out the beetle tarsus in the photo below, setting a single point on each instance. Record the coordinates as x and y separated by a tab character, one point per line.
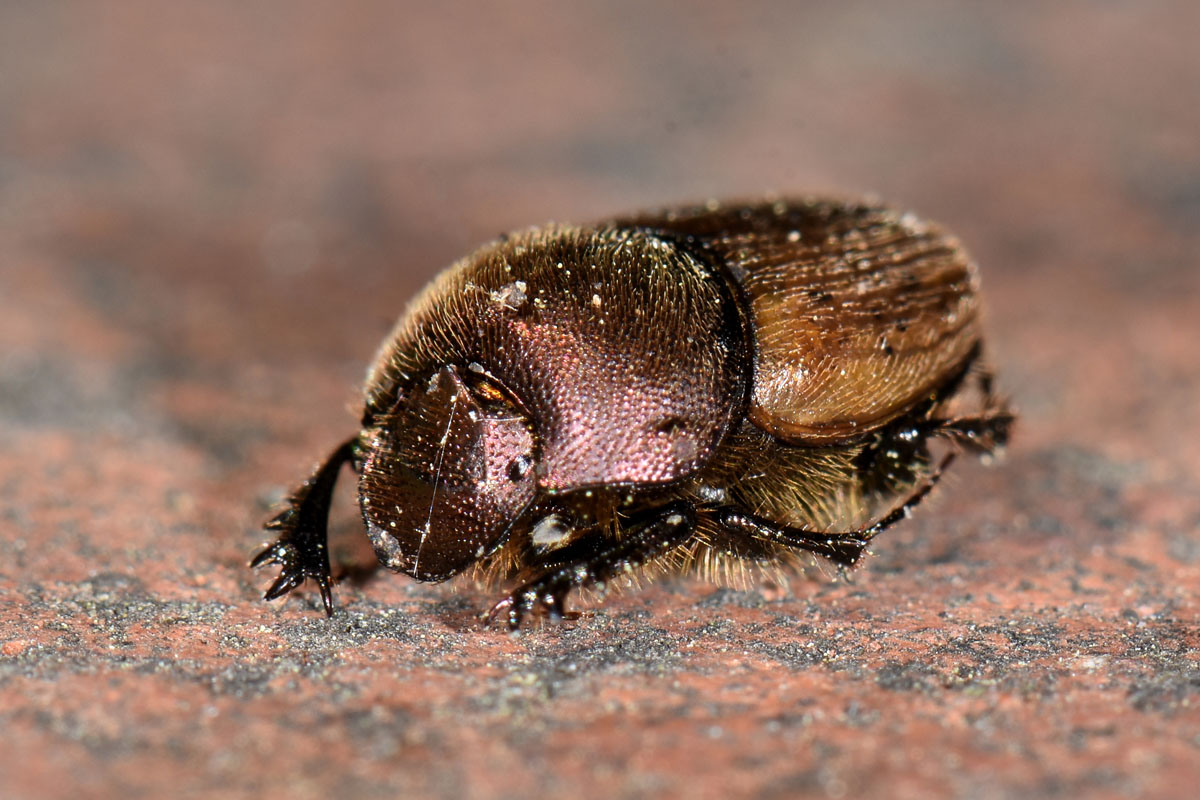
296	568
982	434
504	614
302	549
595	560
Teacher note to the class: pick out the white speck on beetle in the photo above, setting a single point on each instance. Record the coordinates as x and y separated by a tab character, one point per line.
711	494
511	295
549	531
684	449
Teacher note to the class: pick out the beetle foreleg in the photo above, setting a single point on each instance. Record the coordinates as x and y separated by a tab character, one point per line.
302	549
595	560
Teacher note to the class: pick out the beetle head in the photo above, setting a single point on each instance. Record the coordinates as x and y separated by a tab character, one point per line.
446	474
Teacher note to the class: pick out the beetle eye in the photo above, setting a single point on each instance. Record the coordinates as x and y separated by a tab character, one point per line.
518	468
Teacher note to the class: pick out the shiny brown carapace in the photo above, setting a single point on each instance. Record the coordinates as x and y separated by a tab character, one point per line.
699	389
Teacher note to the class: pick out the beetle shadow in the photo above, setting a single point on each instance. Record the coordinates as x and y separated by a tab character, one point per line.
355	573
353	559
461	610
456	606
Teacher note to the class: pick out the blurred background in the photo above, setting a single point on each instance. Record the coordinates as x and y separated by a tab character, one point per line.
210	214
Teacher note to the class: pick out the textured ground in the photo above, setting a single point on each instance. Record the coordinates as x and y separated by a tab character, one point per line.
209	217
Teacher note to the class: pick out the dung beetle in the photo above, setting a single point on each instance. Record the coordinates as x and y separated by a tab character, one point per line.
694	389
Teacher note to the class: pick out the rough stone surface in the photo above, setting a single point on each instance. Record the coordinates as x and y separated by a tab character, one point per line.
210	213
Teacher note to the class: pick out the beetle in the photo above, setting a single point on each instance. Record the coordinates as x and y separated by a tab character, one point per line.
697	388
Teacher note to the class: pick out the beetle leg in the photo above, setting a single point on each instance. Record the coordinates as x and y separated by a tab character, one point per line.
981	434
987	386
595	560
845	548
302	549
